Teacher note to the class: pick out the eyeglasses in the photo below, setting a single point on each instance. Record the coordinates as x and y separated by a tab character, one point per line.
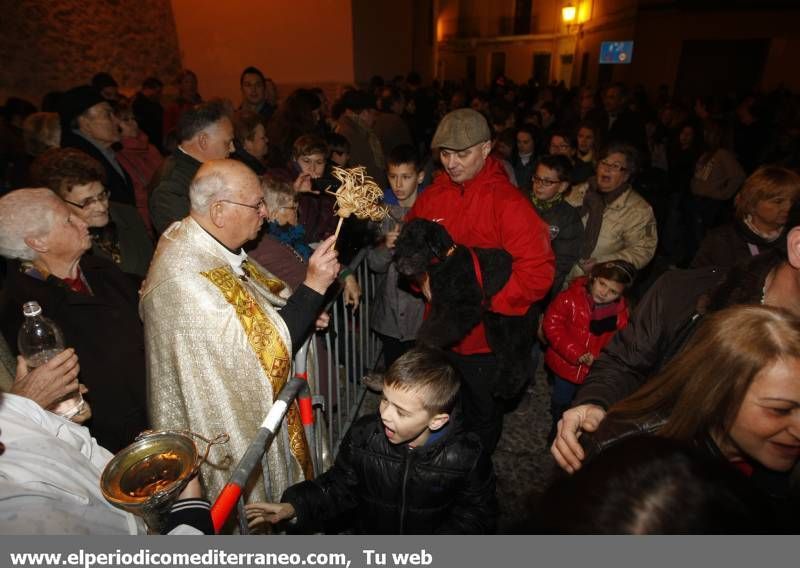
545	182
612	166
257	207
99	198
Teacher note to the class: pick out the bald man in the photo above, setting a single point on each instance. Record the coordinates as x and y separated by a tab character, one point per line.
218	350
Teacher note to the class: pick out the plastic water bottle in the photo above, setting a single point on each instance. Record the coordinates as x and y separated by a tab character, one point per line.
40	340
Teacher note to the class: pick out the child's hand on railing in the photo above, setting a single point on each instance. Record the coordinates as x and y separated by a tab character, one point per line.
261	513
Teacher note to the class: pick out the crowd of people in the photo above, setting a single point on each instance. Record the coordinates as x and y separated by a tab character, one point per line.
187	251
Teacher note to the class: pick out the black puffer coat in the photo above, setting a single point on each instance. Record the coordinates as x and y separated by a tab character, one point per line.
446	486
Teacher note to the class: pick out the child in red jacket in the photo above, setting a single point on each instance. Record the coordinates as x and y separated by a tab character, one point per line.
579	323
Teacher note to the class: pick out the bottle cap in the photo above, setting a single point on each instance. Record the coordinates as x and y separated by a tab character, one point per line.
30	309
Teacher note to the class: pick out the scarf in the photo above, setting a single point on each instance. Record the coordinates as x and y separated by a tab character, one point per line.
542	205
292	235
603	317
767	237
594	204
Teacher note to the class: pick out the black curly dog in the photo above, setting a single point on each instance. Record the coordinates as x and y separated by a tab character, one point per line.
459	302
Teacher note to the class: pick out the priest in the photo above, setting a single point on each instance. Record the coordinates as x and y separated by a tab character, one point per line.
220	330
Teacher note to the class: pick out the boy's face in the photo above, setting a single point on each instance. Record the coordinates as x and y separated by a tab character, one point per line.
313	164
404	180
546	184
340	158
405	419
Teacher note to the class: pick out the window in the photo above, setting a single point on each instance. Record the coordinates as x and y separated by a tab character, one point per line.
522	16
498	64
541	68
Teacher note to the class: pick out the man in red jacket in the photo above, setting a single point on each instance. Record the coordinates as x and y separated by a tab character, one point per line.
479	207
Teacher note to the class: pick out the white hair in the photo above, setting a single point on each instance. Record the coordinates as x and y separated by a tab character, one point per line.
25	214
207	189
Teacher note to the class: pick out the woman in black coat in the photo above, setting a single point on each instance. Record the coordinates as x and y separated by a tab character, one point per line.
89	298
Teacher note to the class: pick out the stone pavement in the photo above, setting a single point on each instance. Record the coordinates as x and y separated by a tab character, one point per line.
522	460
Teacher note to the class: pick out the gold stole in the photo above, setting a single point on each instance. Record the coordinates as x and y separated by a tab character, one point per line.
268	346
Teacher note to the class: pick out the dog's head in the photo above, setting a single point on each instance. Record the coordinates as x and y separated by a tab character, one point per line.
421	243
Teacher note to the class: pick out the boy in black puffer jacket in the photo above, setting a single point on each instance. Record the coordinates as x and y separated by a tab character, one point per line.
411	469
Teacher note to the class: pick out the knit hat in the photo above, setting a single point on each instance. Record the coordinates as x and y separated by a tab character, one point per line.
461	129
75	102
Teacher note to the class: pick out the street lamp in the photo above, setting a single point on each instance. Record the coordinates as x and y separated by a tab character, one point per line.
568	13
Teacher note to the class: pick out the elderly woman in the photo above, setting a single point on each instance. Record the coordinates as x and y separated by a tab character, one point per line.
250	140
89	297
762	207
117	231
284	250
619	223
733	394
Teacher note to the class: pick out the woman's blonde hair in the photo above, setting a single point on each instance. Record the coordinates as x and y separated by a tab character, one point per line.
701	390
765	183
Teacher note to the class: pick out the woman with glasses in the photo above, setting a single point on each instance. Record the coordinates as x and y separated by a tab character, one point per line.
618	222
118	232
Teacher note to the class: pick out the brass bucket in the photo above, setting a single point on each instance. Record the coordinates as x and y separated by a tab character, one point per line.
148	475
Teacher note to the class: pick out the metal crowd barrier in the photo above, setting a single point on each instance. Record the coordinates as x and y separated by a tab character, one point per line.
351	350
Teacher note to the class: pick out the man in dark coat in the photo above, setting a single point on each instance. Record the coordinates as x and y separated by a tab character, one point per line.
205	133
617	123
88	124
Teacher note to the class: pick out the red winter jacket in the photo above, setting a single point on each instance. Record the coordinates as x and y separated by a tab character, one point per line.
488	212
566	326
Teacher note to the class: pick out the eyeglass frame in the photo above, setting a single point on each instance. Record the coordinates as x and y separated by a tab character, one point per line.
103	196
545	182
257	207
612	166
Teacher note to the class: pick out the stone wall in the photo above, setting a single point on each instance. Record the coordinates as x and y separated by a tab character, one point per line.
48	45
